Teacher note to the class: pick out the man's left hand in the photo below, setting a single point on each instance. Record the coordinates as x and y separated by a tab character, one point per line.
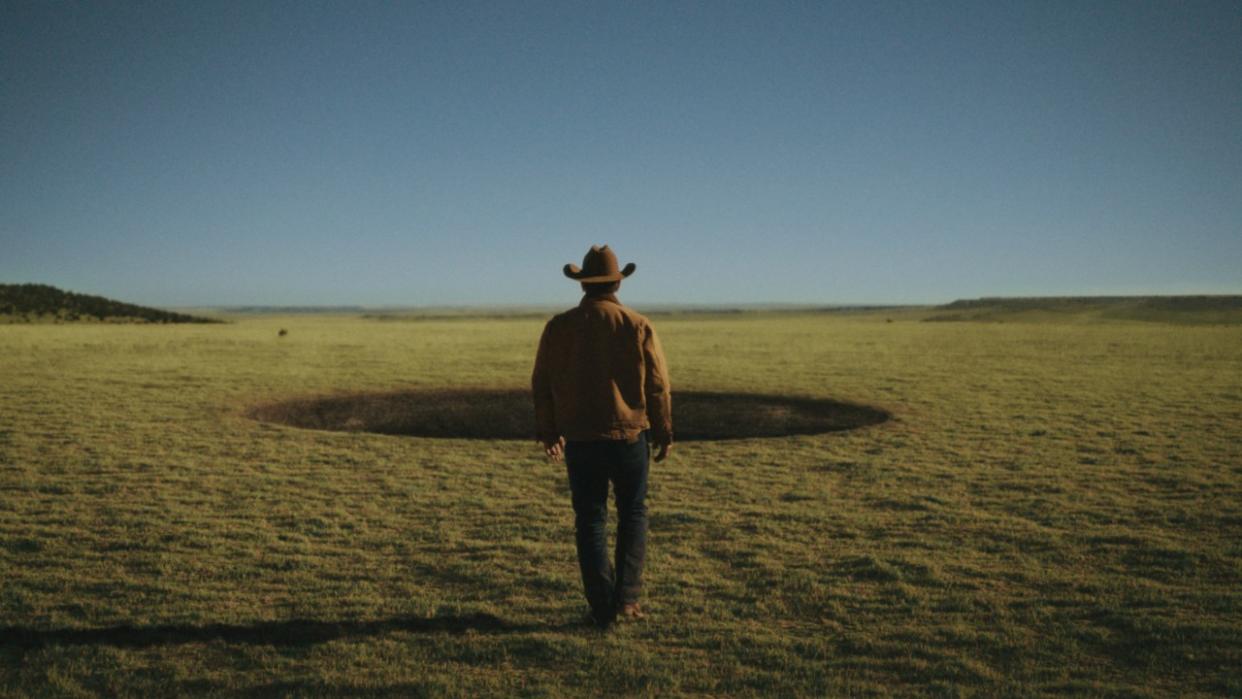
555	450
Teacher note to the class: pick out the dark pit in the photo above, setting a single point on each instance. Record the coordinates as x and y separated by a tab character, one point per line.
508	414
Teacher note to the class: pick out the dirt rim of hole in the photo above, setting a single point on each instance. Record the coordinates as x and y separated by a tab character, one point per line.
507	414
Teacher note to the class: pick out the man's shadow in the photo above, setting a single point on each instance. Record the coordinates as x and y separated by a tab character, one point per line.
294	632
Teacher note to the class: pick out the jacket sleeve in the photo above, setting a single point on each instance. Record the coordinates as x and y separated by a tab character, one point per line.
541	388
657	389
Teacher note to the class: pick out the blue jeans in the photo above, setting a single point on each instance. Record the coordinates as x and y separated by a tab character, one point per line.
591	466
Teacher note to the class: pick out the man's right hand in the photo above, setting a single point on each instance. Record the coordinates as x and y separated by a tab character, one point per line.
662	452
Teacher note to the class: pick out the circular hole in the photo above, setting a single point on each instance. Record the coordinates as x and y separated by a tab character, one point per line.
508	414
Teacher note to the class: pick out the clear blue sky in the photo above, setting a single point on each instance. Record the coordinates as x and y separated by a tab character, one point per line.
203	153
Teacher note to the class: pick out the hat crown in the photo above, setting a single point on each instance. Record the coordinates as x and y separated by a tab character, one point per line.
599	261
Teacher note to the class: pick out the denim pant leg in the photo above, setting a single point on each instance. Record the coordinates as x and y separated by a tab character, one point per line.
629	478
588	481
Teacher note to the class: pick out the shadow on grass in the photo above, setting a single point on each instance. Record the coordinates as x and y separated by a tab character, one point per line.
312	688
508	414
293	632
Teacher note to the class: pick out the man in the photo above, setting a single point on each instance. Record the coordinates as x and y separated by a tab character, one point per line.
602	400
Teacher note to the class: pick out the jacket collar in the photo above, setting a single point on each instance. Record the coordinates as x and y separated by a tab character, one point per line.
589	299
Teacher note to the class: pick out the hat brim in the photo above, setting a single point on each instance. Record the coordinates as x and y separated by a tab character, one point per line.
574	272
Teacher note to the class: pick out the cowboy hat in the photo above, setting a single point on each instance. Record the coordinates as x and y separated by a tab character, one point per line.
599	265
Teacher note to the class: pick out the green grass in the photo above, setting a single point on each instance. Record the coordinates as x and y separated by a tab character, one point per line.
1055	508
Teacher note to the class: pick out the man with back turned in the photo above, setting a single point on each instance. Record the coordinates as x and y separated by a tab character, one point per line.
602	401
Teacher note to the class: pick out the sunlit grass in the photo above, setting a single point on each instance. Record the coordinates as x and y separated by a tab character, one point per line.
1053	508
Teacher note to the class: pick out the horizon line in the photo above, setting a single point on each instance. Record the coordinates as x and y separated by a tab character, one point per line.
709	306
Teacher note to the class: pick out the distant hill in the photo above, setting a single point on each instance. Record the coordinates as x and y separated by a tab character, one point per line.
24	303
1196	310
290	310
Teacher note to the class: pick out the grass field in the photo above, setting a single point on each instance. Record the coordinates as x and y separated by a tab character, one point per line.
1055	508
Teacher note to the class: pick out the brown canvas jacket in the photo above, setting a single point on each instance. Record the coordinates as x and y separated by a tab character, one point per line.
600	373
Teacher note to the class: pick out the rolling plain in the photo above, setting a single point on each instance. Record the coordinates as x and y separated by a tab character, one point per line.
1054	508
